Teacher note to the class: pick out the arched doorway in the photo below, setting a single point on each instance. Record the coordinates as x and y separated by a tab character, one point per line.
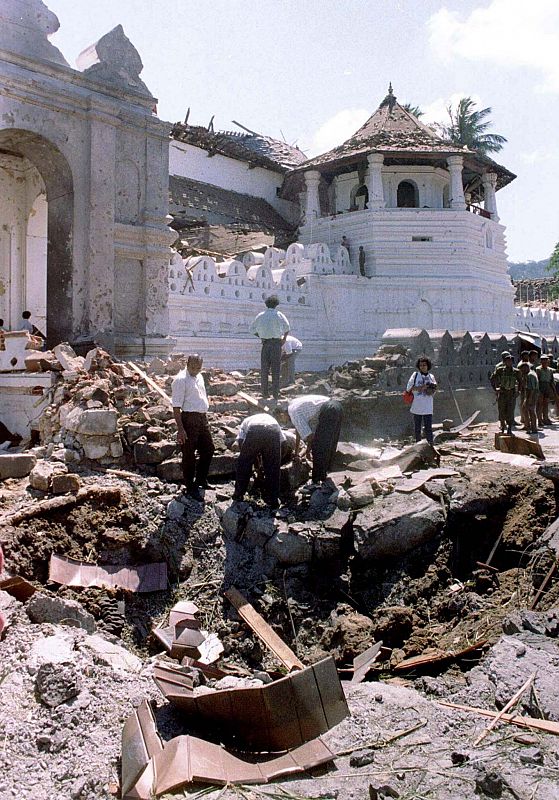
36	225
408	195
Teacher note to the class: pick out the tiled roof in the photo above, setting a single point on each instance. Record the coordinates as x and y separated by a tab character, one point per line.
252	147
193	201
396	132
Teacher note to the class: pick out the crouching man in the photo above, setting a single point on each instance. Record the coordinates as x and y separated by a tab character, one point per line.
259	439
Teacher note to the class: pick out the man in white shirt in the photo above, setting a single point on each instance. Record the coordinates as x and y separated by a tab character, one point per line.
271	326
190	404
260	437
289	351
317	420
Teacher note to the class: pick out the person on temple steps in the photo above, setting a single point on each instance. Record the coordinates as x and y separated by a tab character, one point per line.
423	385
190	404
260	441
272	327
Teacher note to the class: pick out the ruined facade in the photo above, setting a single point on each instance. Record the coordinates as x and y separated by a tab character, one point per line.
83	219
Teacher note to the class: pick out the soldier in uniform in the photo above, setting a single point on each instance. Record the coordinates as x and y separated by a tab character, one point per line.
522	373
530	395
504	381
546	386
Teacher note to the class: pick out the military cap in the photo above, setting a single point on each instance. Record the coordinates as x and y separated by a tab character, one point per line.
544	355
506	354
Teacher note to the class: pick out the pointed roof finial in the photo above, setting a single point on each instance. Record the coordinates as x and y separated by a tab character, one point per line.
389	100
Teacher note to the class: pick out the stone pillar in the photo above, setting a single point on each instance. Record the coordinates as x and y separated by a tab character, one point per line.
101	229
312	207
489	181
374	185
457	199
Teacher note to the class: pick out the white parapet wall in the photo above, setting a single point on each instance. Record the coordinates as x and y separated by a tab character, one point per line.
539	321
338	314
23	397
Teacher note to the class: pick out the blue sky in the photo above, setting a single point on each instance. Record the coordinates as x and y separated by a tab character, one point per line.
311	71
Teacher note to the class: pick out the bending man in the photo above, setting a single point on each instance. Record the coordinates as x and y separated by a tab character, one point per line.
317	420
260	438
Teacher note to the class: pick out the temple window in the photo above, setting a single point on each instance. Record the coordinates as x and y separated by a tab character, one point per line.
408	195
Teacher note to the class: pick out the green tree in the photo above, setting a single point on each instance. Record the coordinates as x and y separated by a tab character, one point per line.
553	265
468	127
415	110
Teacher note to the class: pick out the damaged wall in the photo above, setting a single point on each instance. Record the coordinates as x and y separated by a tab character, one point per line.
103	157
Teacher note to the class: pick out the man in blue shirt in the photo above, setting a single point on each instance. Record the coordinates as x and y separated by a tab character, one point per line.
271	326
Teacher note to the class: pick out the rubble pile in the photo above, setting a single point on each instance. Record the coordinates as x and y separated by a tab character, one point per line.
409	565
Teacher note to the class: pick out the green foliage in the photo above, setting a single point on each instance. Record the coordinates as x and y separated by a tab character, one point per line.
415	110
468	128
553	265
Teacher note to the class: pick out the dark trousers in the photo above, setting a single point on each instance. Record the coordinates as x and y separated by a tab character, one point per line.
506	401
325	439
288	369
263	441
427	420
198	440
270	360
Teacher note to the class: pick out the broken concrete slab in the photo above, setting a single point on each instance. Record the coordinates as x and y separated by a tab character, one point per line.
518	445
396	526
58	610
143	578
16	465
112	655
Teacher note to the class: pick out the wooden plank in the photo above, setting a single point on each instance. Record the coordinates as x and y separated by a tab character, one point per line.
252	401
363	662
264	632
507	707
545	725
436	656
151	383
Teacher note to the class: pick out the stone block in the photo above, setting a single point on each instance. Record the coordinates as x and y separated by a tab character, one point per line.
65	483
55	684
259	531
170	470
67	359
223	466
59	611
41	475
223	389
290	547
16	465
92	421
175	509
327	545
396	526
153	452
112	655
133	431
95	447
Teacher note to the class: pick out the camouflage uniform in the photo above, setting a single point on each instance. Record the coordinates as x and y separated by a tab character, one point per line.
505	381
530	381
546	386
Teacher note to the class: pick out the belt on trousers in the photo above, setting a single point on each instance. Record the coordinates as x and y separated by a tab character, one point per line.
273	339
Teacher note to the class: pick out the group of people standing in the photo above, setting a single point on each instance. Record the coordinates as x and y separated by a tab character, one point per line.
260	439
533	381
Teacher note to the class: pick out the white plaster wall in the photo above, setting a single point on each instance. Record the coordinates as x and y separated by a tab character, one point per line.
228	173
23	241
25	395
430	182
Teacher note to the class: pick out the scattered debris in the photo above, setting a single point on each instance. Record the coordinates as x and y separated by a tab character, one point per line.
143	578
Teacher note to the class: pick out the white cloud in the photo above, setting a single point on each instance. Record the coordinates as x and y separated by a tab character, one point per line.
437	110
337	129
508	33
538	156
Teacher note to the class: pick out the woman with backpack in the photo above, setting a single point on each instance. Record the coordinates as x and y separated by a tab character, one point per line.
422	385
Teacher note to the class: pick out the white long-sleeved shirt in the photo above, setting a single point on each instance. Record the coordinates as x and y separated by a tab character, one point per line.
260	420
270	324
422	403
189	392
303	412
291	345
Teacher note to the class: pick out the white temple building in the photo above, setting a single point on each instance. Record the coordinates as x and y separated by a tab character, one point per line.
423	210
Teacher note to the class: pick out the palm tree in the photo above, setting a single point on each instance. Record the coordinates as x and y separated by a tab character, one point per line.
415	110
468	127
